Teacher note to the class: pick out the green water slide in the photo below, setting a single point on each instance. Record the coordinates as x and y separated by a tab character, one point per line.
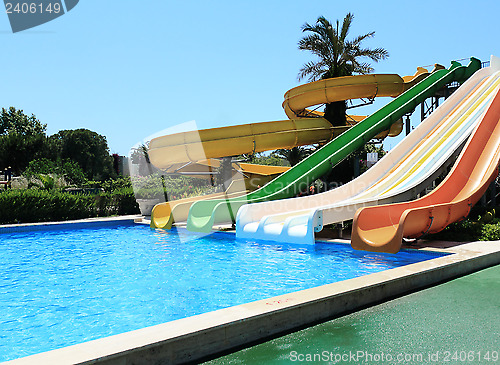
205	213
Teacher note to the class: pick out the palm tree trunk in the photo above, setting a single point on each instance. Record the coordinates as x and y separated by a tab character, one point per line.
335	113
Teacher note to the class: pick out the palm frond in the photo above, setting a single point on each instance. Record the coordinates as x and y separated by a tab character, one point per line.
361	38
346	24
314	44
362	68
313	70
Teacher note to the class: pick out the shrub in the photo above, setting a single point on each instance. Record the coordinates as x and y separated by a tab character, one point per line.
23	206
110	184
40	166
469	229
156	186
118	202
466	230
490	232
28	206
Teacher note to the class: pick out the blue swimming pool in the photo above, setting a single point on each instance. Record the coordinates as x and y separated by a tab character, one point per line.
66	286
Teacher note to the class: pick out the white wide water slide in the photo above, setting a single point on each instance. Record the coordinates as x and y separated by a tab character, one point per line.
400	175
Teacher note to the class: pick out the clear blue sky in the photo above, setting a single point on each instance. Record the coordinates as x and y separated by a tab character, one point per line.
128	69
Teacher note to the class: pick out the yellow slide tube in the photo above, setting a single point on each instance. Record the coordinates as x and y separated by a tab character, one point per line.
236	140
348	87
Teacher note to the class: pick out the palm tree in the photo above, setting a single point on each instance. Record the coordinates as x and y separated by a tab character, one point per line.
293	155
337	57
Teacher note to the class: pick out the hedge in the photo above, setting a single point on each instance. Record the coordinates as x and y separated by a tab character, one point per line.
33	205
470	229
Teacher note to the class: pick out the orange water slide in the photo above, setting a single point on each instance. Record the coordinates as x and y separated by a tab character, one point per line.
382	228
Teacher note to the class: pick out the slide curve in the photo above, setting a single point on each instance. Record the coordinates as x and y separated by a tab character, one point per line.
204	214
400	175
382	228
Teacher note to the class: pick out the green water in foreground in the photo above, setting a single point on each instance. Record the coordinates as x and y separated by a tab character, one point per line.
457	322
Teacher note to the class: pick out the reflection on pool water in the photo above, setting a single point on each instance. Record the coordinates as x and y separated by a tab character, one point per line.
66	286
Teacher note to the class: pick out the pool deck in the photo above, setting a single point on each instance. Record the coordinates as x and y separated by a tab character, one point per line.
209	335
417	328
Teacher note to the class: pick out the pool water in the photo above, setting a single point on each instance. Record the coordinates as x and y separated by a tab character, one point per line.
62	287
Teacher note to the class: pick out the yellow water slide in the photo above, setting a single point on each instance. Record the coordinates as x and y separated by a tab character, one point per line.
304	127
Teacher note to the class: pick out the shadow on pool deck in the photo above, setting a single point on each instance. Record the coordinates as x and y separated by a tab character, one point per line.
444	324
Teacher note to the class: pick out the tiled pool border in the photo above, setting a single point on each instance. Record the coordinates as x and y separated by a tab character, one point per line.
207	335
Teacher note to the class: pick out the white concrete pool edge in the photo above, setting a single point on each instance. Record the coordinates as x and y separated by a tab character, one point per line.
39	226
198	337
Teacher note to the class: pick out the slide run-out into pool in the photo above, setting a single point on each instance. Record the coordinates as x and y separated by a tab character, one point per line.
399	176
382	228
204	214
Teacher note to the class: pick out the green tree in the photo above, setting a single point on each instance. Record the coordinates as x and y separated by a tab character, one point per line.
337	57
87	148
13	120
68	169
22	139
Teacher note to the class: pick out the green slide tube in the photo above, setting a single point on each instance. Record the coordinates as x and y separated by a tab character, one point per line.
204	214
